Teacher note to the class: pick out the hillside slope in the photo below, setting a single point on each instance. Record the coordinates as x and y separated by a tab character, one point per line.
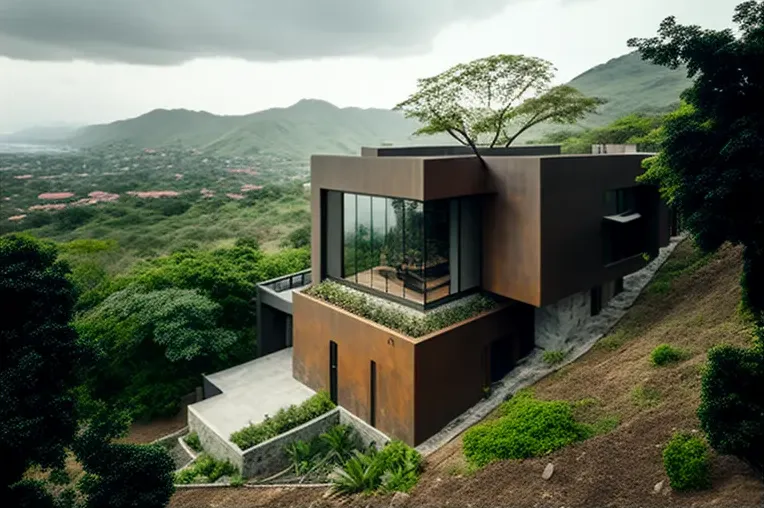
692	304
296	132
630	85
314	126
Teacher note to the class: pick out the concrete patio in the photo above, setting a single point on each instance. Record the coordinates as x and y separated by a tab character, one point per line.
250	391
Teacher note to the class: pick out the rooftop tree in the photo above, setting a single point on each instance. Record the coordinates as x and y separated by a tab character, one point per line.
492	101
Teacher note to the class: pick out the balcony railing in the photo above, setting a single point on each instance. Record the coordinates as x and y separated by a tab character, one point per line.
287	282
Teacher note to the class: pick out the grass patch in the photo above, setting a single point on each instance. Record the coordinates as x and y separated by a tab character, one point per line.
408	324
527	427
553	357
645	397
205	469
665	355
192	440
613	341
590	414
675	267
283	421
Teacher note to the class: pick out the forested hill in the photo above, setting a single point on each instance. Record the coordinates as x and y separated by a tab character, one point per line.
630	85
296	132
314	126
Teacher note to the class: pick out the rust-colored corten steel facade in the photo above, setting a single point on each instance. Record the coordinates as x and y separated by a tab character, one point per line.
547	227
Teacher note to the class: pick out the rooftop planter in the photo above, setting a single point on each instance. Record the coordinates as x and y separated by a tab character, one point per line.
414	326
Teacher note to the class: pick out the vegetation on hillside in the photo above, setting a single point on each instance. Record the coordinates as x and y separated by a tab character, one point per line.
43	413
630	84
710	169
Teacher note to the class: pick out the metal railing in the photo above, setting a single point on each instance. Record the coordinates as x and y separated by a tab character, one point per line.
287	282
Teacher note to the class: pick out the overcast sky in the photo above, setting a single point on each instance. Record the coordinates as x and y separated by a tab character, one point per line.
92	61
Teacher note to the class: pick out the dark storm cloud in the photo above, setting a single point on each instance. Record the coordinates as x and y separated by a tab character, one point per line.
165	32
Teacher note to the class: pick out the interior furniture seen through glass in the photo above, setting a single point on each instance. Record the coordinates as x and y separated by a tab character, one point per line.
408	249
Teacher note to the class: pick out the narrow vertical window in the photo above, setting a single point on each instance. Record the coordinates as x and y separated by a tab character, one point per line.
373	394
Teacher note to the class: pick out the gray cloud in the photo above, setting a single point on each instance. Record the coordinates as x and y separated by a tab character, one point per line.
166	32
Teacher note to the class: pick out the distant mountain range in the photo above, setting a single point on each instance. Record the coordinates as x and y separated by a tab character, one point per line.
314	126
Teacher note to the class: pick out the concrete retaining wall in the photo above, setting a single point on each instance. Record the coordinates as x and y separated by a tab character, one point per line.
212	442
268	457
366	432
554	323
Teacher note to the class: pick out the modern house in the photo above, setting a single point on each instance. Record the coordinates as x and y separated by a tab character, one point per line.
548	237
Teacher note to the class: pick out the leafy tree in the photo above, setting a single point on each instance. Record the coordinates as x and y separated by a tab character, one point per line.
40	359
732	409
153	346
120	475
299	238
710	167
494	100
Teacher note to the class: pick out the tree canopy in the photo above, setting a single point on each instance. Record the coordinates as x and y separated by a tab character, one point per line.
40	357
493	100
710	166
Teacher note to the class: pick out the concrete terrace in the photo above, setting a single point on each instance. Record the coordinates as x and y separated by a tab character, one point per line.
250	391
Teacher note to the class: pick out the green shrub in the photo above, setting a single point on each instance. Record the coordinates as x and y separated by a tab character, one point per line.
685	459
731	411
205	469
395	468
665	354
192	440
552	357
408	324
283	421
527	428
236	480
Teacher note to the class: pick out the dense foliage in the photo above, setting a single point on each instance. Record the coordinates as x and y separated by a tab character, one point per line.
40	358
395	468
413	325
685	459
43	410
163	324
528	427
493	100
732	407
205	469
317	457
284	420
149	203
710	166
665	354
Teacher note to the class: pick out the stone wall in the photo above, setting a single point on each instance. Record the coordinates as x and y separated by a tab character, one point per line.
554	323
212	442
366	432
268	457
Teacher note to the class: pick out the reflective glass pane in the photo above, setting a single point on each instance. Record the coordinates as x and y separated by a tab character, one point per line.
391	255
378	231
364	260
413	275
349	236
437	277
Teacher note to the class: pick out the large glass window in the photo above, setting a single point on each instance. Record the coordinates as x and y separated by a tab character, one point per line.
407	249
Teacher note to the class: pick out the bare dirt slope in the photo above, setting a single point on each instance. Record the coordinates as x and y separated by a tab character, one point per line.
694	309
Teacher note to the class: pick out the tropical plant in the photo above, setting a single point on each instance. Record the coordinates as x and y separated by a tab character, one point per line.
361	473
205	469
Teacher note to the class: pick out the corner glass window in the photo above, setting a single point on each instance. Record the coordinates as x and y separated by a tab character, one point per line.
406	249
